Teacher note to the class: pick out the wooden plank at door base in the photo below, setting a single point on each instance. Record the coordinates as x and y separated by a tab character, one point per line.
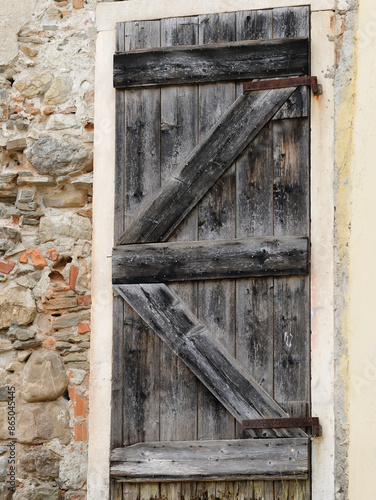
210	259
217	369
204	166
211	460
211	63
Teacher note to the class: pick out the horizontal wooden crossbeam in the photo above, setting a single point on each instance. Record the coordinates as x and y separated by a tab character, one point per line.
212	259
211	460
204	166
211	62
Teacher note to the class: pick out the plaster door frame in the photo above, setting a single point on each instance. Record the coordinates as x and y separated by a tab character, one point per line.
322	225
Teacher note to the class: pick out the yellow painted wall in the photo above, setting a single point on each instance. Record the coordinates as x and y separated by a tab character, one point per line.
360	165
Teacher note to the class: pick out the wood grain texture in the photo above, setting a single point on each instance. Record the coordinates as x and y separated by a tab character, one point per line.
211	63
249	334
209	259
204	166
216	219
178	385
291	215
189	339
186	460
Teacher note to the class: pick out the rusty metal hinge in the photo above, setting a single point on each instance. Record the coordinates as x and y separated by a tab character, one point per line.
284	83
278	423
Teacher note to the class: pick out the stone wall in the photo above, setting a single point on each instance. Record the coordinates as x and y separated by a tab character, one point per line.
46	138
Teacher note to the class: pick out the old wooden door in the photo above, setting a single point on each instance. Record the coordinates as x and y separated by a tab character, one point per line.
223	179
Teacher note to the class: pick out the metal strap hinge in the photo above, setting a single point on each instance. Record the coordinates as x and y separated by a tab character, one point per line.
284	83
278	423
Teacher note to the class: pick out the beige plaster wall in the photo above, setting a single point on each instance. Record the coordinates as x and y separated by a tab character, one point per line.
362	265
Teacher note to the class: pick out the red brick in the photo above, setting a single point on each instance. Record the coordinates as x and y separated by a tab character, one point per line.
83	328
23	258
80	433
37	258
84	300
52	254
69	111
73	277
66	13
48	110
6	266
18	99
78	496
79	405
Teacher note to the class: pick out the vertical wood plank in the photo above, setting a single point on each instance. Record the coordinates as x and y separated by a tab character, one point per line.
179	135
291	215
254	187
216	220
117	403
142	180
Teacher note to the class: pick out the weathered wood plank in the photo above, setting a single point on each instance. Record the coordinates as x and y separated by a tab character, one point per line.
179	135
291	215
209	259
211	63
204	166
186	460
254	298
139	175
216	219
189	339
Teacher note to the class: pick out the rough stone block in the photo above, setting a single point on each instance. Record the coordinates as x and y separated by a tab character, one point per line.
5	345
16	304
40	462
41	492
49	156
62	121
16	332
9	238
16	144
65	225
44	377
27	344
70	319
4	432
35	85
65	200
40	422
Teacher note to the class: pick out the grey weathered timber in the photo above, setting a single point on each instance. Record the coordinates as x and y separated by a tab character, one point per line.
291	216
167	401
189	339
204	166
216	220
210	260
187	460
137	179
178	385
211	63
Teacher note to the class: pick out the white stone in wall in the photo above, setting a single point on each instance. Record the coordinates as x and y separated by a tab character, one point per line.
13	15
44	377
